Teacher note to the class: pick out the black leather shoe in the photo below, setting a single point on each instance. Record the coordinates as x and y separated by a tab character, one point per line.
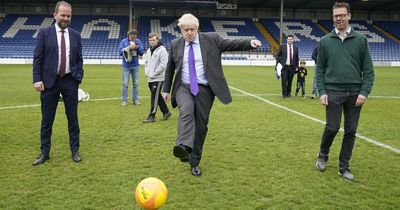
166	116
181	152
76	157
196	171
41	159
149	119
185	159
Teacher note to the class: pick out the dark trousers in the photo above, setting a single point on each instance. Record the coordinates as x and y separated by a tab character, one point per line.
339	101
156	98
287	75
302	85
193	118
68	87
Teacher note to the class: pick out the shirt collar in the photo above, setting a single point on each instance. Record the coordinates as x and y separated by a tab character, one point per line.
347	31
196	40
58	29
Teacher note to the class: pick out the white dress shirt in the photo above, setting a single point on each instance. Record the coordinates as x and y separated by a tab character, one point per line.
343	35
67	48
201	76
288	54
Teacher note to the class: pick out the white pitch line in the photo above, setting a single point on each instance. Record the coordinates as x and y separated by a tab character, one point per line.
258	97
21	106
375	142
115	98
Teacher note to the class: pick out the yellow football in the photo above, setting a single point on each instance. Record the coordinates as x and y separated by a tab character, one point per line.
151	193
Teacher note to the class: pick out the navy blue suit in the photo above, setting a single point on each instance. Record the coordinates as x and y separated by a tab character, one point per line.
287	70
45	64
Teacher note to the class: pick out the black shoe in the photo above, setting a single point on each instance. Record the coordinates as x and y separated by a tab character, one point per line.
166	116
185	159
149	119
196	171
76	157
41	159
181	152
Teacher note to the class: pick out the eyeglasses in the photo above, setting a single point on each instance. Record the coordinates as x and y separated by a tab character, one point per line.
341	16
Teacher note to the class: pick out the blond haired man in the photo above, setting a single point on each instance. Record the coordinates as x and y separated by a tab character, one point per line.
195	61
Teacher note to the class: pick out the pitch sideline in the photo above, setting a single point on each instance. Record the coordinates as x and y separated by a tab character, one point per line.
375	142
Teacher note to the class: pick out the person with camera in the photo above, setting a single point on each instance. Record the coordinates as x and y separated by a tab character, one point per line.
130	49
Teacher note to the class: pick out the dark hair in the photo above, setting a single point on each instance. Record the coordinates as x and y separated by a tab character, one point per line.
341	5
290	35
61	3
132	31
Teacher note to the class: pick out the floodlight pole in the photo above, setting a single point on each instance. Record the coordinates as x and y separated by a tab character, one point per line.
130	15
281	26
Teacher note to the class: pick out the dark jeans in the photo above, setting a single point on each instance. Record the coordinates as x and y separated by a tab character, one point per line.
302	85
156	98
339	101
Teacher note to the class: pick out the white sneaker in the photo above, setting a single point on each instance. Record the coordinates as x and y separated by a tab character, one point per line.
124	103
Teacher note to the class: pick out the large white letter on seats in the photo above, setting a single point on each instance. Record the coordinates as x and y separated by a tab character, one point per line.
155	26
297	28
19	24
111	26
223	32
372	37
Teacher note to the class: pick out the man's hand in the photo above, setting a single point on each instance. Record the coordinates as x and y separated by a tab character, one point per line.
39	86
255	43
324	100
166	97
360	100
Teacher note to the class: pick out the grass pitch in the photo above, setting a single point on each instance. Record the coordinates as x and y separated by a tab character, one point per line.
259	152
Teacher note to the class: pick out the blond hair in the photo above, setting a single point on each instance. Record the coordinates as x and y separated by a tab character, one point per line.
188	20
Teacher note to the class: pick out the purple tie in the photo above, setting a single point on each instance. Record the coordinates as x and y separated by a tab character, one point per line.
61	73
194	87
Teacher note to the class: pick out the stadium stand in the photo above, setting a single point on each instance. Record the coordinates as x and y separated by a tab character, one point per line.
382	48
392	27
165	27
100	35
306	33
233	28
229	28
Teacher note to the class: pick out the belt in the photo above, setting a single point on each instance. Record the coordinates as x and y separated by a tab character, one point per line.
58	76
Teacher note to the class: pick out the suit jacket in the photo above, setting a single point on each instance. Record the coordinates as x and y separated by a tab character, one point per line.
281	56
45	58
211	47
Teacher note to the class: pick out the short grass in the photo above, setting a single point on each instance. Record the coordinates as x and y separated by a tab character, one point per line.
256	156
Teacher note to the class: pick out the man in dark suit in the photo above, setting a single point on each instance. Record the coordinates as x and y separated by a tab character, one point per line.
195	60
57	68
288	57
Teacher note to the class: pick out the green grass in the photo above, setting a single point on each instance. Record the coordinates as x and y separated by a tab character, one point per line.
256	156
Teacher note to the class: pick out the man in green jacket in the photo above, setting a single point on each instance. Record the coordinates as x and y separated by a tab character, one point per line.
345	76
